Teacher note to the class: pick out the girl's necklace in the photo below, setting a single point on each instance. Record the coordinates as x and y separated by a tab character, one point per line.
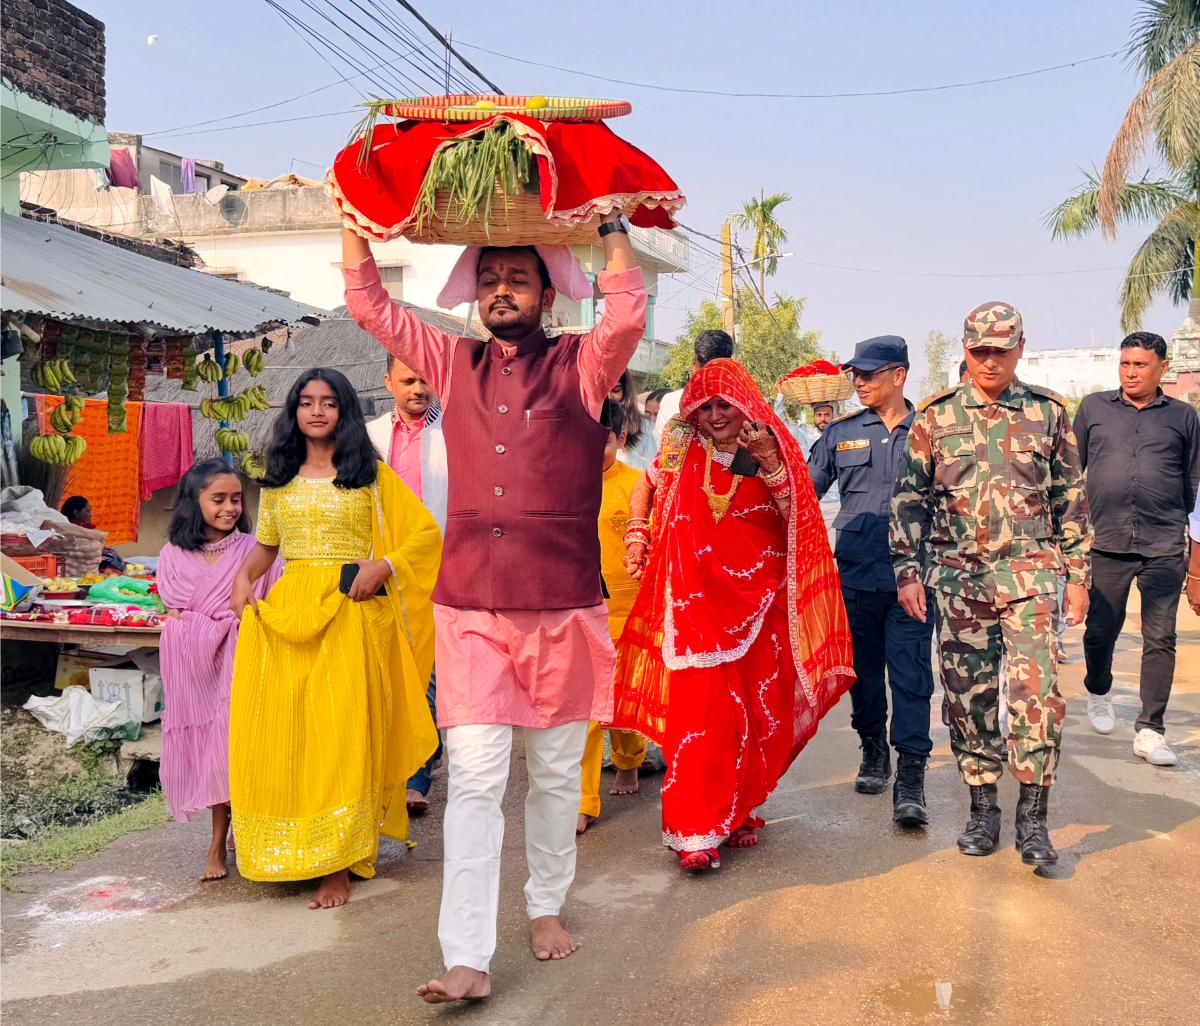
719	504
224	545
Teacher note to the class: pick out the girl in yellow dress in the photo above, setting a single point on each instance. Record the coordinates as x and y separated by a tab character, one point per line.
328	718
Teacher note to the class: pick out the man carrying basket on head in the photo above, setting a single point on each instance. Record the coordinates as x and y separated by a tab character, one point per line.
522	634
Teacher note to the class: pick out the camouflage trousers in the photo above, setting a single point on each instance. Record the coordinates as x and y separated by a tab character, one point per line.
973	636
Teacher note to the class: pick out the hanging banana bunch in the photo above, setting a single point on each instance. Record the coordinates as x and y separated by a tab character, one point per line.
252	466
254	361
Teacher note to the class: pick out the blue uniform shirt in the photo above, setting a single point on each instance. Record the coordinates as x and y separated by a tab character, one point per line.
859	454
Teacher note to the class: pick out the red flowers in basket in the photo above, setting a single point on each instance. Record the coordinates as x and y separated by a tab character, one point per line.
810	370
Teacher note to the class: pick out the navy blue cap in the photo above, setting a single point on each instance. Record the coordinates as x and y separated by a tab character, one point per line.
878	352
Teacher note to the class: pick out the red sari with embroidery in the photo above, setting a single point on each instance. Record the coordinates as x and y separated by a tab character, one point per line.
737	643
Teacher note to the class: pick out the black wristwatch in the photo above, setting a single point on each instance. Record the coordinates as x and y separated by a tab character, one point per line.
608	227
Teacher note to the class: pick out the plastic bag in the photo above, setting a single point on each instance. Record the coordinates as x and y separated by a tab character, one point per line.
79	717
130	591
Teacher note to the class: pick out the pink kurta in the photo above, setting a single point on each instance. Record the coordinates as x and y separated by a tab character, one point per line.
531	668
404	457
196	659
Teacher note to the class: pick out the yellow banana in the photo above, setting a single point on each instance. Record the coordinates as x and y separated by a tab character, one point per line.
61	420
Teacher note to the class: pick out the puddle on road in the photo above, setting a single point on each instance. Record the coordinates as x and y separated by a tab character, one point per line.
931	997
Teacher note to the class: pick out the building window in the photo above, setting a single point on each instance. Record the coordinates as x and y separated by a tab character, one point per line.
392	279
202	183
172	174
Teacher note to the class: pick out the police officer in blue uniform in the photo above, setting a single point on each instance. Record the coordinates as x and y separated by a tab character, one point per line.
861	452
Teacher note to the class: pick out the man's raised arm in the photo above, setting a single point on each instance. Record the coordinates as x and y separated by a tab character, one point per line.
608	347
425	349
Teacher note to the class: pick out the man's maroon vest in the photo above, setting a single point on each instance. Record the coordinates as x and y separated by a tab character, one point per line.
525	461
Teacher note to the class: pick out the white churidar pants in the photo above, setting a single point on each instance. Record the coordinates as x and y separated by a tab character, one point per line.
478	757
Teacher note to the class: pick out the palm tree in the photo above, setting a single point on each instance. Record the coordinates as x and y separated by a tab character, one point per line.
1166	110
758	216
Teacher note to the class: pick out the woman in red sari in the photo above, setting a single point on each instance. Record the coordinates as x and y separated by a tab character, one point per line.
737	644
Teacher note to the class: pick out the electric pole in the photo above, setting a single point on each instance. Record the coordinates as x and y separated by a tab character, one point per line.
727	278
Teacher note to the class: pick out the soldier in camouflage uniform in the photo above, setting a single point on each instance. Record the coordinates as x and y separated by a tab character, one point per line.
988	504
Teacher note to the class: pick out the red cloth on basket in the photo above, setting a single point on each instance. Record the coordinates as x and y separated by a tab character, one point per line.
584	168
167	452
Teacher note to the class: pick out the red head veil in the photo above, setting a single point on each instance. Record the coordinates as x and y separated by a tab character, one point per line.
819	635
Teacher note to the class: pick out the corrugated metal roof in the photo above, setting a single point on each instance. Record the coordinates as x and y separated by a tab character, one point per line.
51	270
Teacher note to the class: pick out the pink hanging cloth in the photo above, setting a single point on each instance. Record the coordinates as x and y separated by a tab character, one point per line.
167	451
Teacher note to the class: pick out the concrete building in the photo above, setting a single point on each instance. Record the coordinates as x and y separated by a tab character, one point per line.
168	167
1072	373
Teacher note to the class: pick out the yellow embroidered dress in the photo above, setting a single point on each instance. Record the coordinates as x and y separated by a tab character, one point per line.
328	717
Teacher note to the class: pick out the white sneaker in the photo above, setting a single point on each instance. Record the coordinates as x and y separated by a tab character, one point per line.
1100	714
1152	746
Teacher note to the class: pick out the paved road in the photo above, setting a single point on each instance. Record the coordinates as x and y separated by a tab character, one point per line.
836	918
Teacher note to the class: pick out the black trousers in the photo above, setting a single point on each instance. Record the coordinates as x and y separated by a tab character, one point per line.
886	638
1160	582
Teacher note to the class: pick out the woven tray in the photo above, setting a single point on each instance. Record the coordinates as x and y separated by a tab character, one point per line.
820	388
479	106
516	221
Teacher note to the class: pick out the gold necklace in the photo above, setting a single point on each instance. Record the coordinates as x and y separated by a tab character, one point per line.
719	504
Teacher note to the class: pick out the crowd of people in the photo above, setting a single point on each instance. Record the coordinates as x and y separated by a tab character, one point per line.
573	561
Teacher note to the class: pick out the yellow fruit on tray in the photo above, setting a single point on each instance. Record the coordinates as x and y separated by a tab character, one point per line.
536	102
484	105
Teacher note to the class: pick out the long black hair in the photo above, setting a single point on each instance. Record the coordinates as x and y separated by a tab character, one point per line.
353	455
187	523
629	406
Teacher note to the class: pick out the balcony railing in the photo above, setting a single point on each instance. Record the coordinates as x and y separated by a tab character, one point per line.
670	248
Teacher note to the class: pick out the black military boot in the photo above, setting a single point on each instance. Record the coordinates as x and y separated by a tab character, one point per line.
876	767
908	792
982	834
1033	839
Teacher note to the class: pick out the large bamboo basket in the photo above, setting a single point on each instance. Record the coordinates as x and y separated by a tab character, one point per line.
820	388
515	220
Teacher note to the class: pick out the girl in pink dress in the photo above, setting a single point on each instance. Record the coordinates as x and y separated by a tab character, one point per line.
210	537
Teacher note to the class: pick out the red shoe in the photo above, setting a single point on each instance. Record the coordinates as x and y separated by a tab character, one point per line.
699	861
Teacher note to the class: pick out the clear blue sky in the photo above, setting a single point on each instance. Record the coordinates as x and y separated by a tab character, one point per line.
952	182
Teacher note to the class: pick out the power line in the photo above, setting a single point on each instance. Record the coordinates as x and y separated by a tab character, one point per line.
403	32
389	86
945	274
259	124
801	96
446	43
1000	274
295	24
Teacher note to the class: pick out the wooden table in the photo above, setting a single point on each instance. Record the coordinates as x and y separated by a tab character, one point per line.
79	634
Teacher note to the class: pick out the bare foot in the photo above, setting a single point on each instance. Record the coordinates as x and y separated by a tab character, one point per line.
417	803
214	868
743	837
333	891
626	782
459	984
550	941
583	822
218	849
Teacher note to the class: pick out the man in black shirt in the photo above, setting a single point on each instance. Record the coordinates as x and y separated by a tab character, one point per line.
1141	451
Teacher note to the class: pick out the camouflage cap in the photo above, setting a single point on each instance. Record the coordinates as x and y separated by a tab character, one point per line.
993	324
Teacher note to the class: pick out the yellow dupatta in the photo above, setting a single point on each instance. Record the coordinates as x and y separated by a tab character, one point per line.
404	532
